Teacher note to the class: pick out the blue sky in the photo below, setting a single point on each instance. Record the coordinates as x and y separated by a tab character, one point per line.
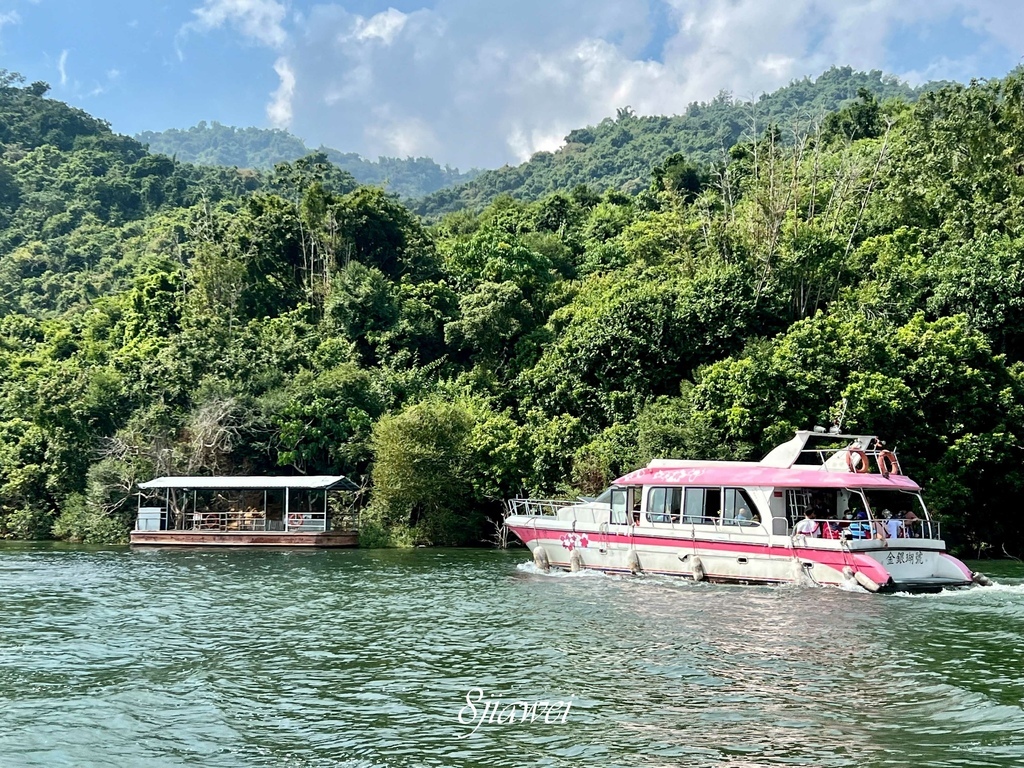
472	82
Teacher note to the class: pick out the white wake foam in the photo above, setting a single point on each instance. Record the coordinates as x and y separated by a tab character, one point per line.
531	568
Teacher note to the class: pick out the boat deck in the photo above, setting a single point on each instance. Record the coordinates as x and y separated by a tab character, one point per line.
189	538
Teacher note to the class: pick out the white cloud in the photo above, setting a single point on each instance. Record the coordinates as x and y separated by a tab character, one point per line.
384	26
402	136
259	20
481	85
448	81
8	18
279	111
1003	22
62	66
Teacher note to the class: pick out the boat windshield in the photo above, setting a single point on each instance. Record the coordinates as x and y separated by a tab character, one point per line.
884	504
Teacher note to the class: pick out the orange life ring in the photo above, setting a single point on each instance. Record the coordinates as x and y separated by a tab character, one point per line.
887	463
861	468
211	520
296	519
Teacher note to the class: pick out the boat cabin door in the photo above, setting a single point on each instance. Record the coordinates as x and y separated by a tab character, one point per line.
622	506
620	519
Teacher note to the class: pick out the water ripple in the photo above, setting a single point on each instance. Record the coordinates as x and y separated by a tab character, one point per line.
364	660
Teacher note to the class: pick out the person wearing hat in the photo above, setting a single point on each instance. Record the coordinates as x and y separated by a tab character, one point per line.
893	525
859	528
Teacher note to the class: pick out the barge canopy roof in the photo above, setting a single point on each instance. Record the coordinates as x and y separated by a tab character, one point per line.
253	483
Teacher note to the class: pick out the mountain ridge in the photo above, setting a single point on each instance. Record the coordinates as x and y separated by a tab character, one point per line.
619	153
262	148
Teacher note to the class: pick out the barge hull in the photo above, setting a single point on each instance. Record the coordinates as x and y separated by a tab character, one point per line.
329	540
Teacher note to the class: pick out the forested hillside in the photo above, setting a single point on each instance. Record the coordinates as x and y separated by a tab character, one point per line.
619	153
264	148
159	318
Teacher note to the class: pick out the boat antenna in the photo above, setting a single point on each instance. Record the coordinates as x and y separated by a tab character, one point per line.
837	424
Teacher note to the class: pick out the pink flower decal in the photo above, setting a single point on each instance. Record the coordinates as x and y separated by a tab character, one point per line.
571	541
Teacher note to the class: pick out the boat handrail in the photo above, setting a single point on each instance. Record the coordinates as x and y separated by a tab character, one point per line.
843	528
876	527
235	520
538	507
827	454
684	521
254	520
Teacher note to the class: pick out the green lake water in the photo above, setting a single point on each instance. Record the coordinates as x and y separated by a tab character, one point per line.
113	657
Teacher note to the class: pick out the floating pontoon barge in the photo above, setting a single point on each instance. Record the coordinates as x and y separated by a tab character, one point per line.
253	511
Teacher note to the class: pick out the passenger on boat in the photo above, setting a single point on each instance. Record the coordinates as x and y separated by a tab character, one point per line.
830	529
742	515
859	528
818	508
893	525
909	530
808	526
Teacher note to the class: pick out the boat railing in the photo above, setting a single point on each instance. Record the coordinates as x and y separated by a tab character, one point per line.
875	528
537	507
234	520
828	528
826	456
306	522
253	520
661	518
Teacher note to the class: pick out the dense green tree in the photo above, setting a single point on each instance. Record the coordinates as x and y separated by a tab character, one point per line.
361	307
326	420
860	120
984	279
630	337
423	491
641	293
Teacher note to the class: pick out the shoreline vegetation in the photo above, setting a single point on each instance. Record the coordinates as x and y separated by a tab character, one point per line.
845	244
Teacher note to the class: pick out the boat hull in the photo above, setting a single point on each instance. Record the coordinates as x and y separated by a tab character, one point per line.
744	556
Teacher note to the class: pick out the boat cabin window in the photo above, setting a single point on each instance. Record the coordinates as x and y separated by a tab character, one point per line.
880	502
664	505
826	503
702	505
737	507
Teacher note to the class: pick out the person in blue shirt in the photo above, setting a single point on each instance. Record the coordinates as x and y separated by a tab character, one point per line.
860	528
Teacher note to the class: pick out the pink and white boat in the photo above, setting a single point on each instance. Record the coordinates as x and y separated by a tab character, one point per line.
820	509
